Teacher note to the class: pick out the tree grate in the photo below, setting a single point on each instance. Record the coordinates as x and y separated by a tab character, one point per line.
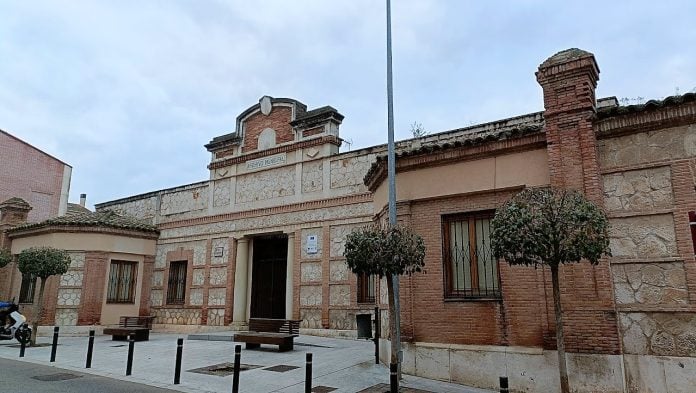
384	388
56	377
222	369
281	368
323	389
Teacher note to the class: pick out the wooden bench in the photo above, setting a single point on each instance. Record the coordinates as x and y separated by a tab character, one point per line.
280	332
138	327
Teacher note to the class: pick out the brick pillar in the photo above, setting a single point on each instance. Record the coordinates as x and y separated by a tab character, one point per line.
13	212
146	284
96	267
569	79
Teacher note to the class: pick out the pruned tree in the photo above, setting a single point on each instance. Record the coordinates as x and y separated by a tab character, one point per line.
42	262
547	226
385	251
5	257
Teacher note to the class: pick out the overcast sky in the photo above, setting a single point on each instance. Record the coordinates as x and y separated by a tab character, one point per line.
128	92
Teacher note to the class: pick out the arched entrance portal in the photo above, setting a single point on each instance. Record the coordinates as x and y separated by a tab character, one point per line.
269	275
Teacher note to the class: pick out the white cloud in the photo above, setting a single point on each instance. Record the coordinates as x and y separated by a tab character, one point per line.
128	92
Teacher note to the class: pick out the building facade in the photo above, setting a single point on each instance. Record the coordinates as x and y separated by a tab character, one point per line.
38	178
40	181
263	237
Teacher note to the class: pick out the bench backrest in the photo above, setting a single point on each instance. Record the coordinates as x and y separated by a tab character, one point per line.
287	326
143	322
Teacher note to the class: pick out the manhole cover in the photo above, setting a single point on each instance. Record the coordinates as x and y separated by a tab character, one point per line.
56	377
322	389
280	368
223	369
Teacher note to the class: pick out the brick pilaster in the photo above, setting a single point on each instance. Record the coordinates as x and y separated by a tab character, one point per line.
92	299
569	79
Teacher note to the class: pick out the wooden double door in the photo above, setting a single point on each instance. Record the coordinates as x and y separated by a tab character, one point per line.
268	277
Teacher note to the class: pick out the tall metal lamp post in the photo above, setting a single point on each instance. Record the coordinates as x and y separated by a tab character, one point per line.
391	176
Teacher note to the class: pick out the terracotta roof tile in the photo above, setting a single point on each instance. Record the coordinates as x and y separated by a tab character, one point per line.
104	218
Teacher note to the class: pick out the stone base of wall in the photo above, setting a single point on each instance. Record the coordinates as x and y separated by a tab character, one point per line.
188	329
47	331
660	374
331	333
528	369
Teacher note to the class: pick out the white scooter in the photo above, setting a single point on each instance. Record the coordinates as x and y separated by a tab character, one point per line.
18	327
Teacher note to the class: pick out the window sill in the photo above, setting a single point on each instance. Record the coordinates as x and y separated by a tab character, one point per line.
472	299
131	302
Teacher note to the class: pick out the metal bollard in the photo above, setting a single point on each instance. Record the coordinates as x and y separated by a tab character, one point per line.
393	377
237	360
54	345
504	385
177	367
90	349
131	346
376	335
308	374
22	347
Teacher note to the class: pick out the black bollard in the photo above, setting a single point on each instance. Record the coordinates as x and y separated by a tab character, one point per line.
308	374
504	385
177	368
22	347
393	378
90	349
377	328
131	346
54	345
237	360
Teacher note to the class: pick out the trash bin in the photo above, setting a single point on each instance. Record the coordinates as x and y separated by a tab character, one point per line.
364	323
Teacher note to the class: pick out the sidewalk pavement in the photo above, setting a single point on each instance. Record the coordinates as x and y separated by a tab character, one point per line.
344	364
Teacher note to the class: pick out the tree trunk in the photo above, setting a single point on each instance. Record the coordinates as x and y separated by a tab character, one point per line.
394	359
38	310
560	346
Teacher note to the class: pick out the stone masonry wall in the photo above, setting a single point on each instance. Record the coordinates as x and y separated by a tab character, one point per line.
648	191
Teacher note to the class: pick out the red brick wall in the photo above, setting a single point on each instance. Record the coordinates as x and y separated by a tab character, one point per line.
279	120
92	298
30	174
471	321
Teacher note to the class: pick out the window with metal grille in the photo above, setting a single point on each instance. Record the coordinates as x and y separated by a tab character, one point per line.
692	225
26	291
366	288
122	282
471	270
176	287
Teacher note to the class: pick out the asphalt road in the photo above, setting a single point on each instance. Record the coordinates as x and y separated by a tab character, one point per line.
21	377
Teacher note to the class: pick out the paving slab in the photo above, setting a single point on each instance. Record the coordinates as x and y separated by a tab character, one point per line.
339	365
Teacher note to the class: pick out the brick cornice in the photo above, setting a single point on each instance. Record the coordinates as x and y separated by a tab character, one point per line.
276	150
82	229
636	122
289	208
459	154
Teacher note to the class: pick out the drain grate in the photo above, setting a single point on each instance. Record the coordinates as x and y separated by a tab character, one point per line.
222	369
281	368
323	389
312	345
56	377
